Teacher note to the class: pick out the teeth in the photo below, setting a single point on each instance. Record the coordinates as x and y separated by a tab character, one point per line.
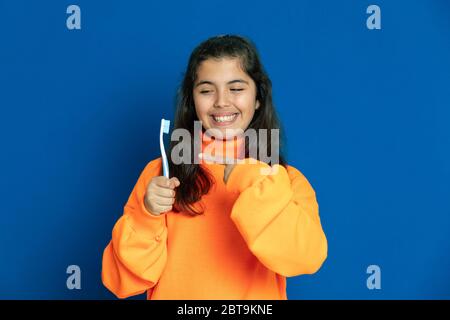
224	118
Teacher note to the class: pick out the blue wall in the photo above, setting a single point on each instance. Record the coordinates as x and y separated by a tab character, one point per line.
366	113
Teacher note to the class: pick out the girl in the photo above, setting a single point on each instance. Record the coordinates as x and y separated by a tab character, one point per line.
218	230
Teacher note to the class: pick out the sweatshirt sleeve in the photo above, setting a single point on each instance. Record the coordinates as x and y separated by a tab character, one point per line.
135	257
278	217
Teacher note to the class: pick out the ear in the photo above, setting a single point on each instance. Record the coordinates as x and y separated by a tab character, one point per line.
257	105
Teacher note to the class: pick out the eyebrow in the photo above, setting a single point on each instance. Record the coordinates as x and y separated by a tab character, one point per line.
229	82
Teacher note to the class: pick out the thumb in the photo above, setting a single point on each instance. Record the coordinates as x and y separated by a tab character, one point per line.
174	182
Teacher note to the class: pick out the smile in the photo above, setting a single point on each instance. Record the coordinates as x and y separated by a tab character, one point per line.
224	119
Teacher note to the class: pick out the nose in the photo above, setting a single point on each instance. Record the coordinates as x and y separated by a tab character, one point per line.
222	100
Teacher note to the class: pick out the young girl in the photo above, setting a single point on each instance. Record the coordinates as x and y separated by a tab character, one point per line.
218	230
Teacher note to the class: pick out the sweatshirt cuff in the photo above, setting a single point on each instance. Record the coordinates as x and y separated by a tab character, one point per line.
247	173
146	223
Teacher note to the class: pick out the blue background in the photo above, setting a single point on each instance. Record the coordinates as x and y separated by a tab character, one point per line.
366	113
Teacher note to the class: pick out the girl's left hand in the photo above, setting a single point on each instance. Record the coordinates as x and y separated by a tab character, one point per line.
229	164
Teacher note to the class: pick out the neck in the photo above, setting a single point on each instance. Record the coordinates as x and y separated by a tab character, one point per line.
233	148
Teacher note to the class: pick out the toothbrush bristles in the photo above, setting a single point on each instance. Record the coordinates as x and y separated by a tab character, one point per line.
165	125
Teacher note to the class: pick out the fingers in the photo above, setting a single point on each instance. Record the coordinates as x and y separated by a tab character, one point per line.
174	182
163	182
165	202
164	192
160	195
158	209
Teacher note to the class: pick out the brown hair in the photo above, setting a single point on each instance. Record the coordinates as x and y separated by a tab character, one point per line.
195	181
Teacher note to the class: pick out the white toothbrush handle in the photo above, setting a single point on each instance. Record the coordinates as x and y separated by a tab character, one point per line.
165	164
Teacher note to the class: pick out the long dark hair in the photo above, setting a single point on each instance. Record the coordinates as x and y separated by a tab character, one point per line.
195	180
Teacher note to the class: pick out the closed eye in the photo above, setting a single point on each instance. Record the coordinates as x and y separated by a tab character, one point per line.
237	89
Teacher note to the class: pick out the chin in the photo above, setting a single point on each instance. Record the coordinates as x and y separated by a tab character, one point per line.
225	132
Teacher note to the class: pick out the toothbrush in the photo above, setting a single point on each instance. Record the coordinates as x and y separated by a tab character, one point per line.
165	124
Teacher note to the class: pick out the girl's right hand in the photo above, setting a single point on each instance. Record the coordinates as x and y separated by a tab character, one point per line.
160	194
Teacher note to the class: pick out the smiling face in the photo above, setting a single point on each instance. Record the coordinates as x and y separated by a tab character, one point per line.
224	95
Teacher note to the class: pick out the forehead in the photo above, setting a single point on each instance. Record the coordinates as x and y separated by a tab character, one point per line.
220	69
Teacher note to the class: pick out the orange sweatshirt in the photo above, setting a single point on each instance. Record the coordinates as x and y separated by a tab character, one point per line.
256	230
